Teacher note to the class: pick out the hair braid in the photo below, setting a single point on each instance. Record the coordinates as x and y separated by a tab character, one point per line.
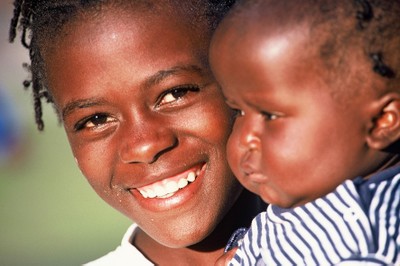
25	21
39	20
14	20
23	16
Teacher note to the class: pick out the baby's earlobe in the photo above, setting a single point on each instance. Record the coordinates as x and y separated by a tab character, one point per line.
386	129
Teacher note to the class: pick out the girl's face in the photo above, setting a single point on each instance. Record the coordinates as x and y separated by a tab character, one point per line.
146	120
292	141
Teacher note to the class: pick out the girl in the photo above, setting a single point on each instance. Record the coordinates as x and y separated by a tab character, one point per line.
145	119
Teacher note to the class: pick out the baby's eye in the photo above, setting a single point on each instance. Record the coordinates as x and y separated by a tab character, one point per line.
94	121
269	116
237	112
176	93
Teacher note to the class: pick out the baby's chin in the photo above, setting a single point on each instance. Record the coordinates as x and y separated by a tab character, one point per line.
271	196
258	184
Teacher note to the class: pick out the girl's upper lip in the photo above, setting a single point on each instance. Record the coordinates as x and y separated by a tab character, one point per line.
156	177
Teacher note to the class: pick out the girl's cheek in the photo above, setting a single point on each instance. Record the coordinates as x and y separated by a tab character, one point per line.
233	153
77	163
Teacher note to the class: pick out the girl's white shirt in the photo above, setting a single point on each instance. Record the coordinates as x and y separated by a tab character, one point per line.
125	254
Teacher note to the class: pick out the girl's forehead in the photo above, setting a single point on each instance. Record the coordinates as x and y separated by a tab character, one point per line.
114	40
113	21
138	14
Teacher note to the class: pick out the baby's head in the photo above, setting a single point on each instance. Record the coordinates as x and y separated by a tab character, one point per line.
316	89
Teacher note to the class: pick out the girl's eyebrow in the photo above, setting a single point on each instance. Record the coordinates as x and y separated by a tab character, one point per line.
151	81
79	104
163	74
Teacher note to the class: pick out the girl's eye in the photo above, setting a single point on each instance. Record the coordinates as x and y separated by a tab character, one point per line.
176	94
94	121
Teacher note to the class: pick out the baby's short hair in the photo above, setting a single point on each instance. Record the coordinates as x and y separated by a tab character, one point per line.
373	26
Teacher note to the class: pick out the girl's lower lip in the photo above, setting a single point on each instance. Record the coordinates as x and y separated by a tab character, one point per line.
176	200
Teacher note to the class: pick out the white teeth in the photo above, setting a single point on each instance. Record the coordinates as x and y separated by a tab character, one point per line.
172	187
166	196
144	193
167	189
182	183
191	177
151	194
159	190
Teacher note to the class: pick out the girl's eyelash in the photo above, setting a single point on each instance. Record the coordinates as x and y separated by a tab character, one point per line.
101	117
178	91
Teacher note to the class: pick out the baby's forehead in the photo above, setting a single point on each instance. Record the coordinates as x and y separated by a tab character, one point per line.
251	29
348	41
307	34
259	21
269	15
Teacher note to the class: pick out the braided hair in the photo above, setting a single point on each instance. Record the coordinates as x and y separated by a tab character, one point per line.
38	19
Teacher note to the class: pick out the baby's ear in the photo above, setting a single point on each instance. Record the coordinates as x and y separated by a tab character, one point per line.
386	126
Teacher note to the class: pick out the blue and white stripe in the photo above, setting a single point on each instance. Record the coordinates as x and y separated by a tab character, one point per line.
359	221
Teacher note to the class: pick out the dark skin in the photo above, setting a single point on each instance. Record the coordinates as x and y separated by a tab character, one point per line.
141	109
287	115
292	142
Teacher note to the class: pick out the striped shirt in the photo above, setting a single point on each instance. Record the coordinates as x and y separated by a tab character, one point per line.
359	221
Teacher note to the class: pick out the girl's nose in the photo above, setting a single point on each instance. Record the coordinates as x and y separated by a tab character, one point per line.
145	143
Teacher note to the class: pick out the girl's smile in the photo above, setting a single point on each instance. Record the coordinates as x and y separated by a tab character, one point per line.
157	197
168	186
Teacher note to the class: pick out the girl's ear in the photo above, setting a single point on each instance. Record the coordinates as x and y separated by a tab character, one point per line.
386	126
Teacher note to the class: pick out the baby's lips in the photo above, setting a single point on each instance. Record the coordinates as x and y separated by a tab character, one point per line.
250	162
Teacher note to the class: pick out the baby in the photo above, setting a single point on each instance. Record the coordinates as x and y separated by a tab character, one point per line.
315	85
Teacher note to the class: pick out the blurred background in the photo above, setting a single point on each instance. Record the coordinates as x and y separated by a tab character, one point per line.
49	215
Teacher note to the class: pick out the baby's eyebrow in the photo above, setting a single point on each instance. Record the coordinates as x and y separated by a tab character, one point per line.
163	74
229	101
79	104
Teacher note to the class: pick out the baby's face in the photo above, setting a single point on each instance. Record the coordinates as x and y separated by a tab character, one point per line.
292	141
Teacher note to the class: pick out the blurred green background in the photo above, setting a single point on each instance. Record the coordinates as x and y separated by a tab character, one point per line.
49	215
